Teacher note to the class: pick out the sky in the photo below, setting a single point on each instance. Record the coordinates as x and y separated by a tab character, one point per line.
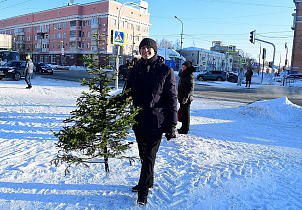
237	155
204	21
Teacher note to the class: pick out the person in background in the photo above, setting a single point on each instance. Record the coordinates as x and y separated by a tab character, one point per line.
29	70
152	86
248	77
185	94
240	76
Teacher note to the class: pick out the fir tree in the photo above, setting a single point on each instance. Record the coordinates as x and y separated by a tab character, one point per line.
98	128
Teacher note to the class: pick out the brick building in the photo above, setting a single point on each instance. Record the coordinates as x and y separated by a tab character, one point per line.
296	65
65	34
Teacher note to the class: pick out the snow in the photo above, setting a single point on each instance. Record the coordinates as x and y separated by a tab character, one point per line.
236	156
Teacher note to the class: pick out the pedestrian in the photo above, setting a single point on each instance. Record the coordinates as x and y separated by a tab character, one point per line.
248	77
152	86
185	94
240	76
29	70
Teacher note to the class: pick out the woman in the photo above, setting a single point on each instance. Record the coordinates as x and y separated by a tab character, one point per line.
185	94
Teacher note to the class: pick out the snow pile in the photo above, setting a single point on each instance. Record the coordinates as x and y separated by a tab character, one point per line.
280	109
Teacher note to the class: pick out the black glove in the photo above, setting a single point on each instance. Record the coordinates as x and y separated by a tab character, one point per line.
170	132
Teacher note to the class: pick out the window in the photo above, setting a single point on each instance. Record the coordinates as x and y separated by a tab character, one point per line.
94	21
53	59
73	34
82	45
58	46
88	22
35	28
64	25
53	36
88	34
59	36
64	35
28	29
53	26
113	22
59	25
73	23
28	39
88	45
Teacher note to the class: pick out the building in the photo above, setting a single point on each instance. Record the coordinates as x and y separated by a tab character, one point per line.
172	57
65	34
207	59
296	64
237	54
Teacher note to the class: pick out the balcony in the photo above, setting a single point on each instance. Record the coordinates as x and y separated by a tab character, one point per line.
78	39
43	41
43	31
20	33
75	28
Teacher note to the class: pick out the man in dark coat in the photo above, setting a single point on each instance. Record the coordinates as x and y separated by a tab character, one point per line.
152	86
185	94
248	77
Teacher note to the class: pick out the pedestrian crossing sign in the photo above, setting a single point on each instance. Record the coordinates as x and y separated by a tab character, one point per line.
118	37
243	61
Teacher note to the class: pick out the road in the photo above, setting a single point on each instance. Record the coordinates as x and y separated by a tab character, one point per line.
243	94
266	92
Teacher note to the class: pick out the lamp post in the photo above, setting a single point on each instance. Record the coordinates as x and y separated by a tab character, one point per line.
182	29
118	46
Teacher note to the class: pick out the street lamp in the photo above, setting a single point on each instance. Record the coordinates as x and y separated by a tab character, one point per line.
182	29
118	46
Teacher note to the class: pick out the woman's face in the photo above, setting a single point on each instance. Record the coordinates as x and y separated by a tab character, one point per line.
184	67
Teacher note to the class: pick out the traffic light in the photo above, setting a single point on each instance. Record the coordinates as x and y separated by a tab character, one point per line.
264	54
252	36
270	64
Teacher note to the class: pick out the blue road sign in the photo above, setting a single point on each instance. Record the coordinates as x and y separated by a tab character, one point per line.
119	37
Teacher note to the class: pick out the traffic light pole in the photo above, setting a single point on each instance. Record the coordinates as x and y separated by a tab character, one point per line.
260	40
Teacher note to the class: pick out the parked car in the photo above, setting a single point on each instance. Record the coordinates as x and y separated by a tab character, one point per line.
232	77
14	70
42	68
123	72
63	67
212	75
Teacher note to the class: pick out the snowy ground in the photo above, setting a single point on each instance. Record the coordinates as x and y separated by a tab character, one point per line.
236	156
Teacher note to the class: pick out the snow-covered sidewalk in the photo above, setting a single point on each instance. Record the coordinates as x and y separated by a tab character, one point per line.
236	156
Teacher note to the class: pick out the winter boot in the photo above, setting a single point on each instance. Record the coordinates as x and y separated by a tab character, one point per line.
142	200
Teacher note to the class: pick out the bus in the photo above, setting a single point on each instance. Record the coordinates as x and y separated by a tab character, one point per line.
8	55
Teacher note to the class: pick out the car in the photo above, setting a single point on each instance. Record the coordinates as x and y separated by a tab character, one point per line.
212	75
123	72
42	68
14	70
232	77
62	67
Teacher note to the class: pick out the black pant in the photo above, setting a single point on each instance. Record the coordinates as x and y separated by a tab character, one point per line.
248	83
148	145
185	116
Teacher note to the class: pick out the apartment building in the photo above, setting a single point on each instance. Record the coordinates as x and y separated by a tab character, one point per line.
65	34
296	64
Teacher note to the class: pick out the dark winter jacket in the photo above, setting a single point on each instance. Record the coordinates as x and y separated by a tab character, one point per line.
152	86
186	84
249	74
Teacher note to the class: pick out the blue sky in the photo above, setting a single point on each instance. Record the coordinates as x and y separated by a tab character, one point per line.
204	21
